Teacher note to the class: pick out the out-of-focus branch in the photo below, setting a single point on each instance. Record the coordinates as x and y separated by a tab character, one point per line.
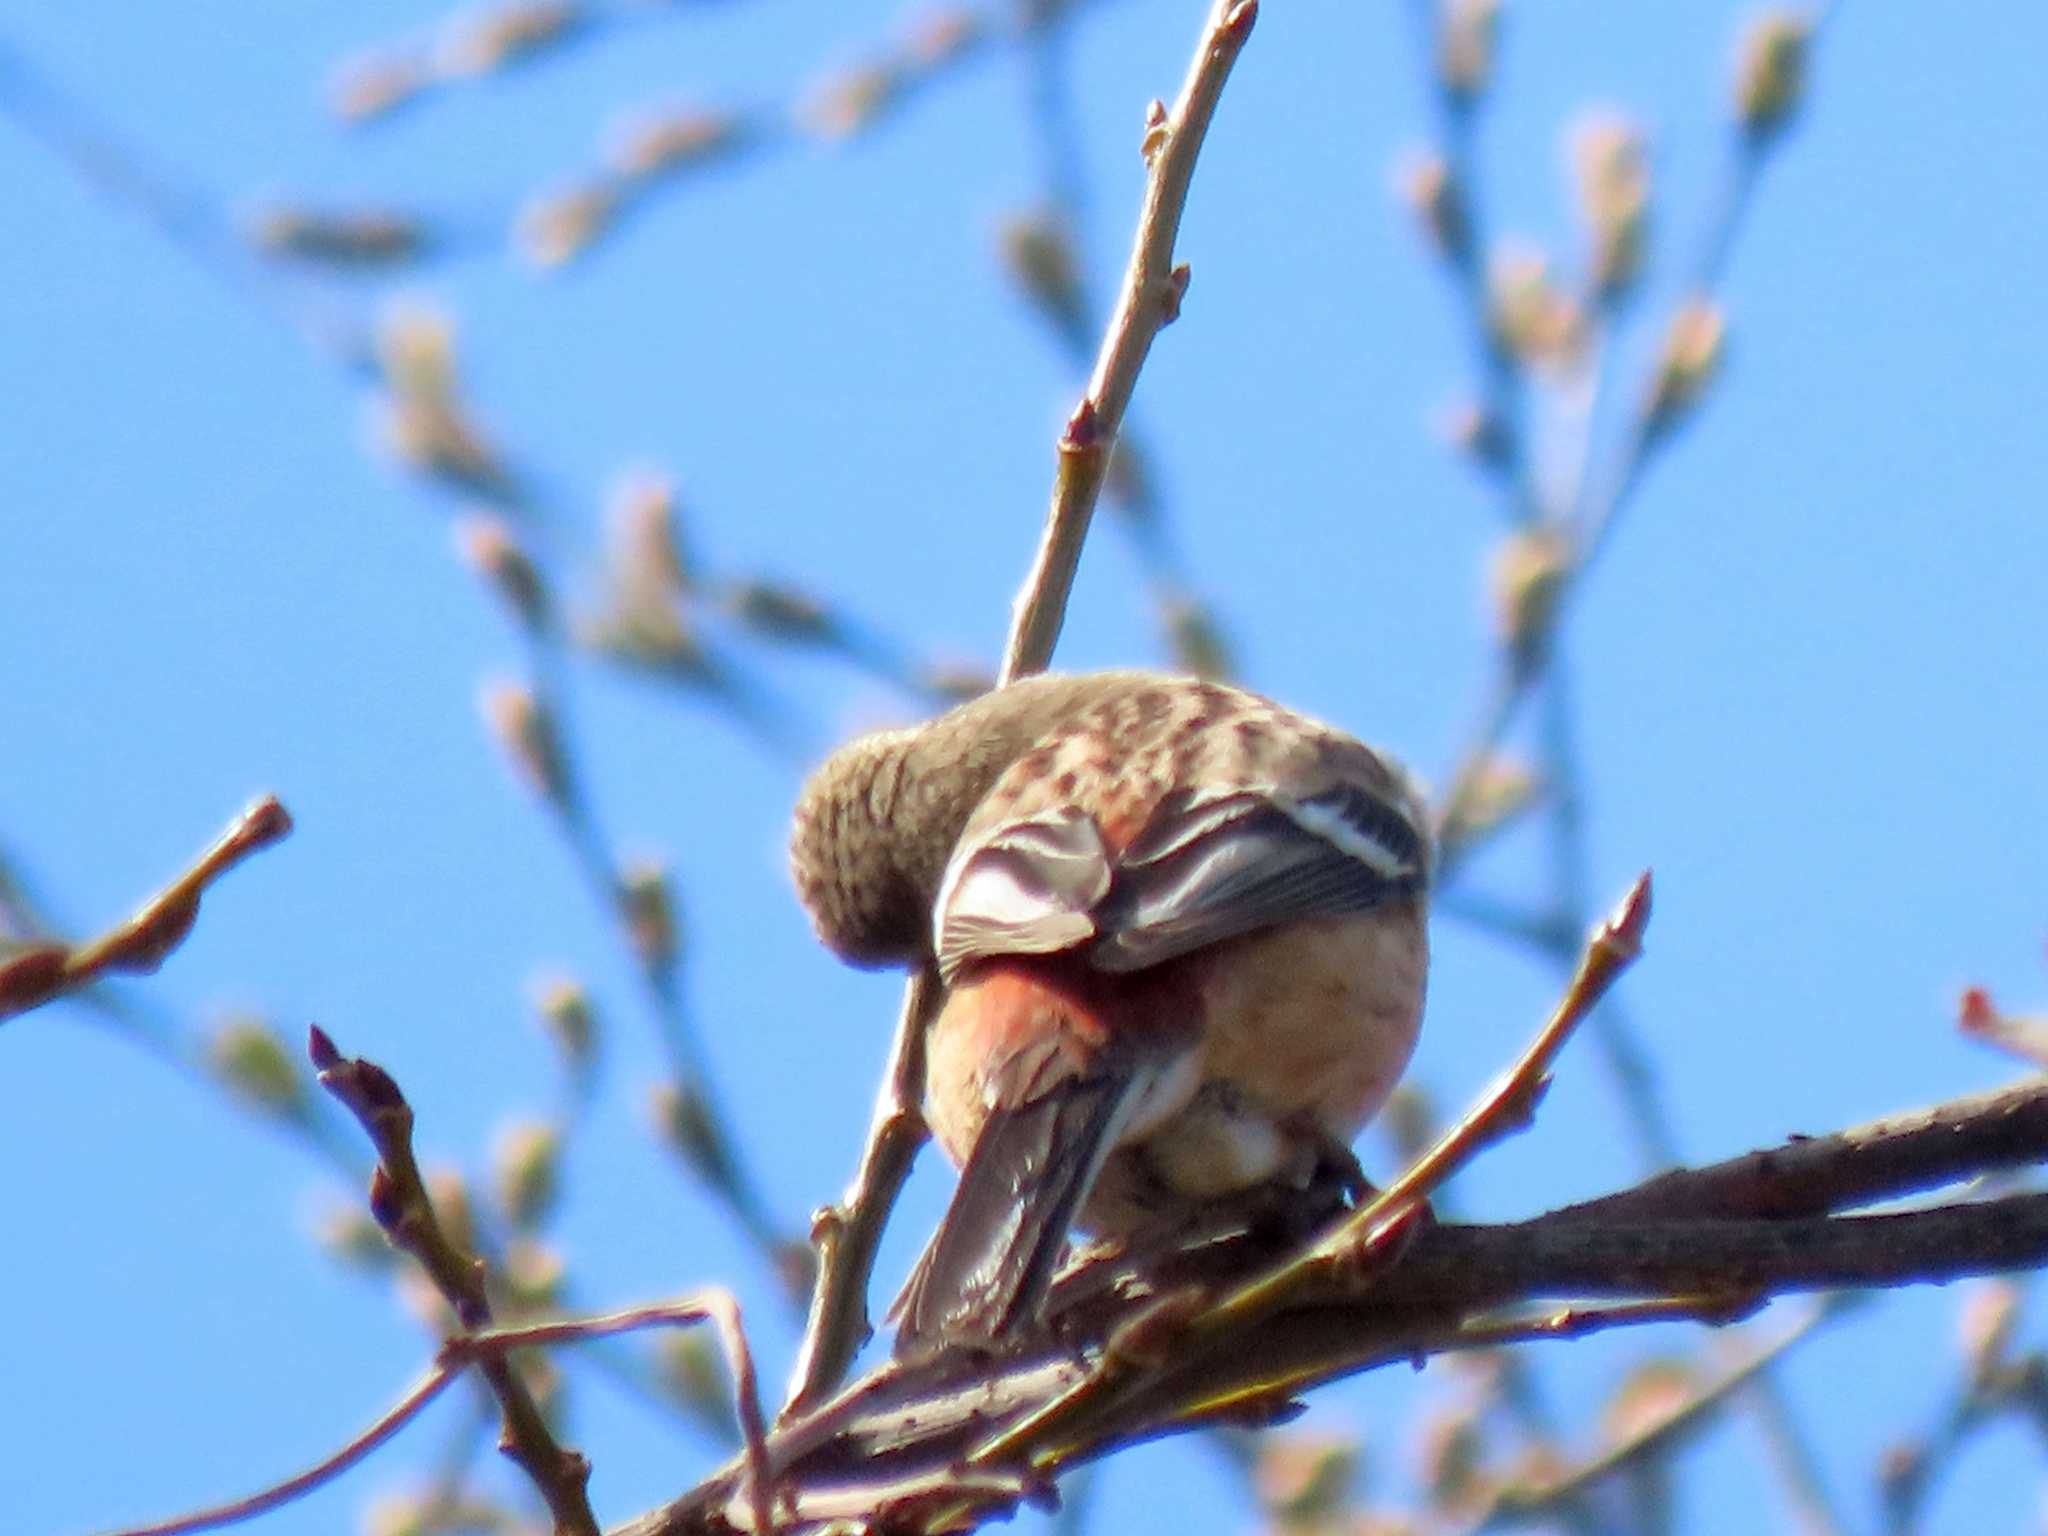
1995	1382
2021	1035
662	149
1518	1502
525	718
1562	546
37	970
467	45
1458	40
1528	329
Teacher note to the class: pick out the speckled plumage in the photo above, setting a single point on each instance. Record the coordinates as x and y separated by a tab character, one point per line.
1182	931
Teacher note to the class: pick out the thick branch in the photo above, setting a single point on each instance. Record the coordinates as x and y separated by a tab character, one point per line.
1812	1175
894	1445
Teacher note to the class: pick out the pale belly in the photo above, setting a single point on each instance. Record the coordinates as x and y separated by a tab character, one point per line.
1317	1020
1286	1068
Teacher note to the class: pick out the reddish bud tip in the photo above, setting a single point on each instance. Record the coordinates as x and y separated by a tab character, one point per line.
1625	925
266	821
320	1049
1084	430
1975	1010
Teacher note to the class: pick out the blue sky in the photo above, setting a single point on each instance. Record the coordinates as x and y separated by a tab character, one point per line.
1809	671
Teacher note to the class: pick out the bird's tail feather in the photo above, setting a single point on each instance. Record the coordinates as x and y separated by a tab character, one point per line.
987	1268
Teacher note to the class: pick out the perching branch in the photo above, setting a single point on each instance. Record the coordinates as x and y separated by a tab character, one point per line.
1355	1251
894	1446
846	1235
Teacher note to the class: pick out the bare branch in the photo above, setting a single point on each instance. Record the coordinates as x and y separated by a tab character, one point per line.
847	1234
403	1208
1814	1175
714	1305
1148	301
41	969
894	1445
1518	1502
388	1423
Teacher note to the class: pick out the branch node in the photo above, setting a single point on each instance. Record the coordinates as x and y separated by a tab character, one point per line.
1156	131
1171	292
1083	433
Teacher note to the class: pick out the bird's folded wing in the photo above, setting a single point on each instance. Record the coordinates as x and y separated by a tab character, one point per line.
1209	867
1025	890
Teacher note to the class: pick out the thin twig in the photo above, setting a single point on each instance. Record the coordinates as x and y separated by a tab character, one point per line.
1507	1103
403	1208
1519	1503
714	1305
42	969
1148	301
1621	1050
848	1234
387	1424
492	1345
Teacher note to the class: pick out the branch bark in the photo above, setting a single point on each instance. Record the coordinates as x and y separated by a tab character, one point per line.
1713	1242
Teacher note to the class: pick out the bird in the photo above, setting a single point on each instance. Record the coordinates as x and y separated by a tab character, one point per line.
1181	931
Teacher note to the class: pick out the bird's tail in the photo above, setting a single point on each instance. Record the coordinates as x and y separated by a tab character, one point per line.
986	1271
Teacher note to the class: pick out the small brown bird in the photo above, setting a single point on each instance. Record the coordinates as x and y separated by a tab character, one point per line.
1182	934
